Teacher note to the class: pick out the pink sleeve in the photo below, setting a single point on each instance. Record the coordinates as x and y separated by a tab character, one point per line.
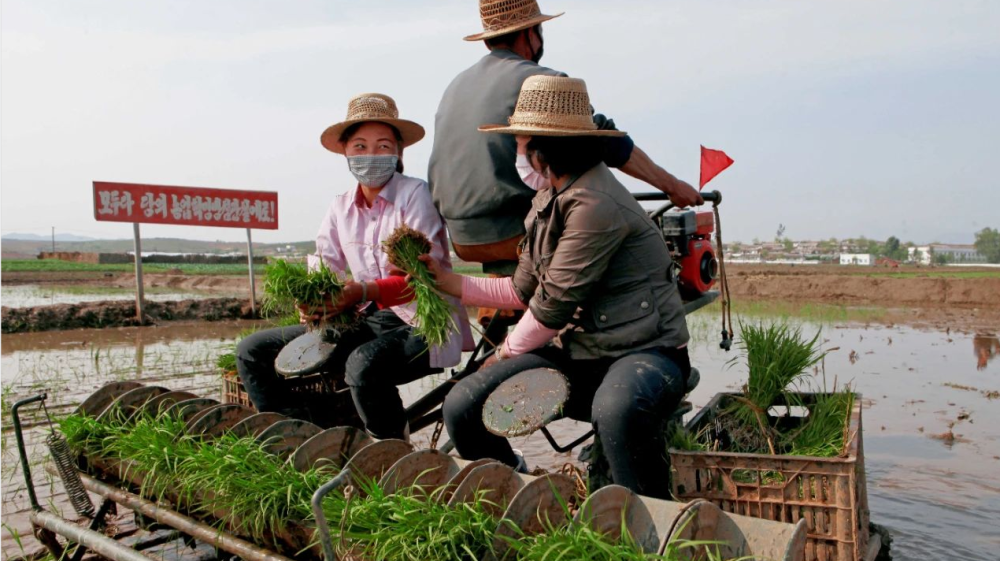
328	245
528	335
491	292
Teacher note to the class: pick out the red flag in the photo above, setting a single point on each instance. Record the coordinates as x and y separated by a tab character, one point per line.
712	164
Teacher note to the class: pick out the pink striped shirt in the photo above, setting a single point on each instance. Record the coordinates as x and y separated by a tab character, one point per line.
350	238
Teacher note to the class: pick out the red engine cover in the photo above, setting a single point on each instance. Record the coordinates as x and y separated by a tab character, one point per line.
699	268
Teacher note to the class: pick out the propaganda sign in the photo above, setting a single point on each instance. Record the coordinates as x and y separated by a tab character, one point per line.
189	206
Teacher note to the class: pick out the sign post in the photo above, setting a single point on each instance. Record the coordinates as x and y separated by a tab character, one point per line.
139	291
253	290
186	206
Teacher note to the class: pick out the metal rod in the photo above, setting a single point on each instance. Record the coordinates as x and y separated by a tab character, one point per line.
138	273
178	521
435	397
18	433
563	449
96	524
94	541
700	302
322	526
253	290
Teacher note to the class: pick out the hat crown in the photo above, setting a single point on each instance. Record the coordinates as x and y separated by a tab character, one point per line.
372	106
553	101
503	14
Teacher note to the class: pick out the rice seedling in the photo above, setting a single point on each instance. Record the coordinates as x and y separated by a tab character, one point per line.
84	433
287	285
680	438
414	525
580	541
776	355
434	321
226	362
825	431
231	479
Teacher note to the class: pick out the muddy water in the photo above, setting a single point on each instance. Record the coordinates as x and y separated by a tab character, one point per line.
28	295
932	450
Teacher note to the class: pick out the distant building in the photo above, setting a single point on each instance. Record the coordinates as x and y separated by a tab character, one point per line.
954	253
864	259
920	254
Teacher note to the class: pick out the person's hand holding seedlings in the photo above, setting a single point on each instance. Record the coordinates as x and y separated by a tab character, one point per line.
329	309
448	282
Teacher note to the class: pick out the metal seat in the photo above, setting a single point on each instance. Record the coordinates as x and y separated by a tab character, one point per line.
532	399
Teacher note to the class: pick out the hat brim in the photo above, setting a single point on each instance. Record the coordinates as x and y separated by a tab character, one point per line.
410	131
548	131
512	28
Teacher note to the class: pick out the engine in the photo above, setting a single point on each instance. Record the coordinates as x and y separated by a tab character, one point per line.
689	238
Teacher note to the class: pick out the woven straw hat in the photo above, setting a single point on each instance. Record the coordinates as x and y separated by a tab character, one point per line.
371	107
507	16
552	106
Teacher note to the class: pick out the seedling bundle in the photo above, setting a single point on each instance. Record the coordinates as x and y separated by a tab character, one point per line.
434	321
287	285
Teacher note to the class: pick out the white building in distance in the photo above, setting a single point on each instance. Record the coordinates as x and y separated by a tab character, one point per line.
864	259
954	253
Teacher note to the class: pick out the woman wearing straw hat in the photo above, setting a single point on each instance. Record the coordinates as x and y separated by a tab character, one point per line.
593	271
383	352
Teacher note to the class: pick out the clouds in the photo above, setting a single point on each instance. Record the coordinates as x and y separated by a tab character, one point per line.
817	98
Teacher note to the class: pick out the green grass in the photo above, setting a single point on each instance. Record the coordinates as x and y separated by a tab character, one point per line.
55	266
934	274
818	313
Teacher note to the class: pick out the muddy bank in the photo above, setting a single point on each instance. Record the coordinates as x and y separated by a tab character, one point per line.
119	314
206	283
909	287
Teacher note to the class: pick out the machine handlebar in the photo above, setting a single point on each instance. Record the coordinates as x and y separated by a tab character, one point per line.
709	196
713	197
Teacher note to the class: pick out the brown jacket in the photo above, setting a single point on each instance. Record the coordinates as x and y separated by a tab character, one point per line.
593	259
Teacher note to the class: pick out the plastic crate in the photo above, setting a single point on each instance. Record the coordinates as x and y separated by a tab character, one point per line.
234	392
829	493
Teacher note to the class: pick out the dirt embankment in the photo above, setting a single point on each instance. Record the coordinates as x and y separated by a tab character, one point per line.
119	313
220	283
910	288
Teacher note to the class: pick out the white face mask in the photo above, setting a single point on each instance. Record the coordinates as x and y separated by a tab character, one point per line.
531	177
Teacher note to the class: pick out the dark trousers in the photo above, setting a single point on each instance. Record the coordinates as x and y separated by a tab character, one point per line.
373	359
628	399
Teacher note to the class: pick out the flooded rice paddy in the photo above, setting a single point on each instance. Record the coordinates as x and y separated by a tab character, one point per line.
29	295
931	416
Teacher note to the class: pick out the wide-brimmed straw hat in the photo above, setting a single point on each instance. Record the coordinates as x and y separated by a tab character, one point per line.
552	106
371	107
501	17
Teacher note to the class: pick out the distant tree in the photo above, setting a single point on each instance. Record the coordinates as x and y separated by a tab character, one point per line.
988	244
893	249
872	247
788	244
736	247
756	241
941	259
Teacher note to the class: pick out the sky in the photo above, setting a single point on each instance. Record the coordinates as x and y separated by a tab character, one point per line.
845	117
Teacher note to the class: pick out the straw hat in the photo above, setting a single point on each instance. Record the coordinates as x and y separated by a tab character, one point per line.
371	107
552	106
507	16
